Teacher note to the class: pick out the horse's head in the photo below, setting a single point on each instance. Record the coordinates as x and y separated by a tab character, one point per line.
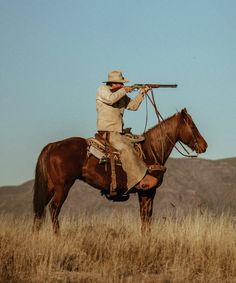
189	134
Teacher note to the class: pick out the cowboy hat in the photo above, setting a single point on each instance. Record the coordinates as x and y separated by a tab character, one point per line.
116	77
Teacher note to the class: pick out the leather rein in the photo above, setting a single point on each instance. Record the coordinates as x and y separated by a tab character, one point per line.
160	118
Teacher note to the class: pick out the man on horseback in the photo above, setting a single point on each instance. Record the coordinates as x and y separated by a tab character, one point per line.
111	101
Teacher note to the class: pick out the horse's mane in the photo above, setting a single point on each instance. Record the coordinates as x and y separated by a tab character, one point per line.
159	127
157	138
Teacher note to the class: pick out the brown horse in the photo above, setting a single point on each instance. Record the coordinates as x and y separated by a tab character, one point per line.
61	163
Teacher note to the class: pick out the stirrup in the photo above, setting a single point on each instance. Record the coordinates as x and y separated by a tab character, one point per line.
116	198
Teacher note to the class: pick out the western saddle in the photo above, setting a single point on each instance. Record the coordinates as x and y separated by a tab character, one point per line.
100	147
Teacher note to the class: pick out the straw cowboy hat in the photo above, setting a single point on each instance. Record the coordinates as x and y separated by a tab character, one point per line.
116	77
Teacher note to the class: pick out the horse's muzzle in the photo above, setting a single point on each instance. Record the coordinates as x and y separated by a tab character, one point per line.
201	148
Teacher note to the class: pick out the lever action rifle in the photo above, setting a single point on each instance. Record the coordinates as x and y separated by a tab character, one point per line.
138	86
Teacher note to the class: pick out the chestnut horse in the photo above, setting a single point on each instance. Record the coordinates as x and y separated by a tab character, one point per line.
61	163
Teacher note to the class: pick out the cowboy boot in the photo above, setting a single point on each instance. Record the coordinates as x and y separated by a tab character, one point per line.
148	182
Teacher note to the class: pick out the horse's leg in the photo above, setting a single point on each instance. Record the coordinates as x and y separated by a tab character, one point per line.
60	195
146	205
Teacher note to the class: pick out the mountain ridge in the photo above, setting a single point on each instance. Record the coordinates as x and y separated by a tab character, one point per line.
189	185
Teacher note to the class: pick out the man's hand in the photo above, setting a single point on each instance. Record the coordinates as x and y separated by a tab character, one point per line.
145	89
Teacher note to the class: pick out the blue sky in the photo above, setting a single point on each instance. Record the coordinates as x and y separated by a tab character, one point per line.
54	54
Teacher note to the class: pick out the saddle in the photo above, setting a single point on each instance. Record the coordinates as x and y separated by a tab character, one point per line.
100	147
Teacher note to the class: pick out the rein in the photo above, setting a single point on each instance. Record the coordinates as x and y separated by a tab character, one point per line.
160	118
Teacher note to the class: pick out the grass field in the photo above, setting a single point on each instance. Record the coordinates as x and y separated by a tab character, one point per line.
200	248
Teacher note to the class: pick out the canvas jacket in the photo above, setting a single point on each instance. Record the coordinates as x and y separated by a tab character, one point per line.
110	108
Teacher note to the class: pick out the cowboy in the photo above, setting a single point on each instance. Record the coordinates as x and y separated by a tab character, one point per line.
111	101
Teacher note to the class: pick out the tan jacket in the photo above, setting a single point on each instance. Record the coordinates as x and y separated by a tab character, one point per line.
110	108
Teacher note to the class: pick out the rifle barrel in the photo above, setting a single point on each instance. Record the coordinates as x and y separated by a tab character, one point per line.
155	85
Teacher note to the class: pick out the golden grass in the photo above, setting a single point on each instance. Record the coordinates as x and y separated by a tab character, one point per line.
199	248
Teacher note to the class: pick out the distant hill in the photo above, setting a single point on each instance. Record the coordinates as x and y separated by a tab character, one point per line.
189	184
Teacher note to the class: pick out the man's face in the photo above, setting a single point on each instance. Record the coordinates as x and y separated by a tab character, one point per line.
116	86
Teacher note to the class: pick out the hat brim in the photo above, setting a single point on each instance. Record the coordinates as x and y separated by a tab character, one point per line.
117	81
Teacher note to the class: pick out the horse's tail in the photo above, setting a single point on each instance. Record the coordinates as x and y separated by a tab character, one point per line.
41	183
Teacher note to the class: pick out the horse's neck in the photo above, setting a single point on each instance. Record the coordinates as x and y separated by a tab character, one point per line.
160	140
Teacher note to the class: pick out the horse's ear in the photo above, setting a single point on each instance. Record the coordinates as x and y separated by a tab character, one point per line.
184	111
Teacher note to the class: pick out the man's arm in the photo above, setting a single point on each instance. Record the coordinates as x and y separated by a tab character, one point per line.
105	95
133	104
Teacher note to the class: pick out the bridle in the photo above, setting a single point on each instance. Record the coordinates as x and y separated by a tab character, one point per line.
160	118
195	146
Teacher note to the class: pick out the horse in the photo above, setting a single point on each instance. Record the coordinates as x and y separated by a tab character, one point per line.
61	163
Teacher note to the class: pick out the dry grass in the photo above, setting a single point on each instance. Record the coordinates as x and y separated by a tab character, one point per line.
199	248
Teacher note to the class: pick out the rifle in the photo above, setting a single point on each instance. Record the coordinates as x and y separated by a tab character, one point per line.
137	86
